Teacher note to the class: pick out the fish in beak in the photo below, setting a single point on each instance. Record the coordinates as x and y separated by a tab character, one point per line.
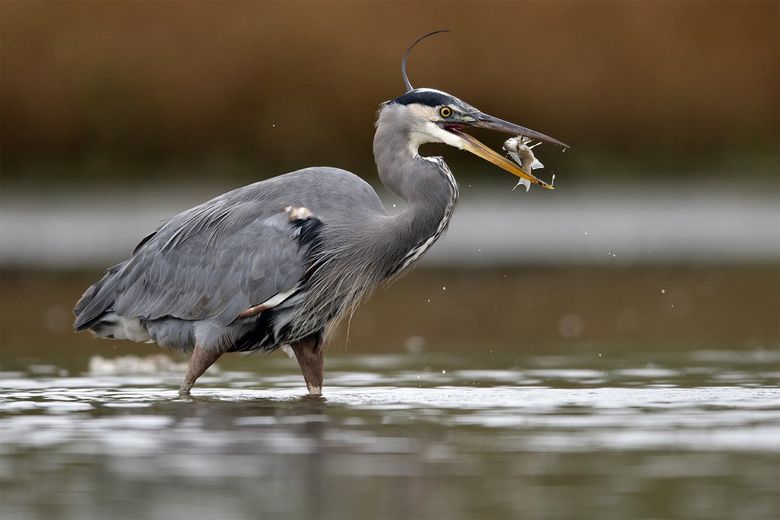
480	120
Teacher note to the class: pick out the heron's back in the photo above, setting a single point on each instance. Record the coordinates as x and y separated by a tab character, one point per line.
188	281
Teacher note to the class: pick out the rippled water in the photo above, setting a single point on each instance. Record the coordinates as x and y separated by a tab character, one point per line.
687	435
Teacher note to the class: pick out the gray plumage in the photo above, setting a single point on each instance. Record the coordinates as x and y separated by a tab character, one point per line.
277	262
188	282
191	279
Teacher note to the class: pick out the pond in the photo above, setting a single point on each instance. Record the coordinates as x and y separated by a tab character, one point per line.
562	411
687	435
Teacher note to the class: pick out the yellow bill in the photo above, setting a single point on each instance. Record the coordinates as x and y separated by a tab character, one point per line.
481	150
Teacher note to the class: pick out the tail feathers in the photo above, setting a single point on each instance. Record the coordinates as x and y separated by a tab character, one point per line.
112	326
97	300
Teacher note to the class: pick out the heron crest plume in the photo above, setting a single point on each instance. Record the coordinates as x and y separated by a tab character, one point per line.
409	86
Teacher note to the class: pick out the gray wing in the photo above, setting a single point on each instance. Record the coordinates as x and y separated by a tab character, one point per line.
199	267
228	254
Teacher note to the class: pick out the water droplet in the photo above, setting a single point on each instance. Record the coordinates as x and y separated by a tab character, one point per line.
443	287
663	291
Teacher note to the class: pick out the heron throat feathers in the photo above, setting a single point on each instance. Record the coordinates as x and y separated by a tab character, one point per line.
430	132
425	183
400	131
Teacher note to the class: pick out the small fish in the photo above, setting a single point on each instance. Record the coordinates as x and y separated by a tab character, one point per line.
520	150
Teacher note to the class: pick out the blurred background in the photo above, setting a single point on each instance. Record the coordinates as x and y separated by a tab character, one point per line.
662	236
98	94
118	115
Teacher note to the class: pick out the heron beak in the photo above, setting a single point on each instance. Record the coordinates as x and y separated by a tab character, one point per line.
493	123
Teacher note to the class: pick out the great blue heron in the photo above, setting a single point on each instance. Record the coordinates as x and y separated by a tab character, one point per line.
273	264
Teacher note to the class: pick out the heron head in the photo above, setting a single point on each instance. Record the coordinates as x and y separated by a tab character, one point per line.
433	116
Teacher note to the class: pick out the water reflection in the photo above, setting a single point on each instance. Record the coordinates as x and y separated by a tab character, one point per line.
693	434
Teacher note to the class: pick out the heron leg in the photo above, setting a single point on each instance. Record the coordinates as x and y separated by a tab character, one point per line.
310	353
200	360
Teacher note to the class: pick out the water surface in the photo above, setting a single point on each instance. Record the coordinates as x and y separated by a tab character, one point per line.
692	434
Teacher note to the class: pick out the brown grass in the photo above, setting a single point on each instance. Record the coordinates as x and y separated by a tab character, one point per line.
293	83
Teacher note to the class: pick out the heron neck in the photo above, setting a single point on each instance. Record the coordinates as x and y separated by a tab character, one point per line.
427	186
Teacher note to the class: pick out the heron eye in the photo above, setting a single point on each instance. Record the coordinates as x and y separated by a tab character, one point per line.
445	112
